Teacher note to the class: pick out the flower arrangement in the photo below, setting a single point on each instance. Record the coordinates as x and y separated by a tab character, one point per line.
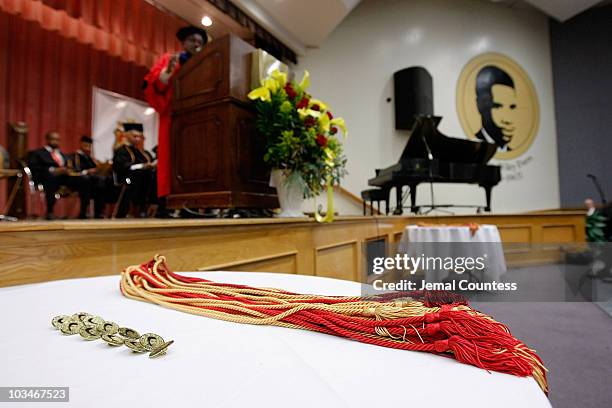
301	133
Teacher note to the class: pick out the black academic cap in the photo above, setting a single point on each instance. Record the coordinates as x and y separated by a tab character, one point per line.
186	31
86	139
133	126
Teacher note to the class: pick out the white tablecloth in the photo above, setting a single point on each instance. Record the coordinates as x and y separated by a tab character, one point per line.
220	364
486	242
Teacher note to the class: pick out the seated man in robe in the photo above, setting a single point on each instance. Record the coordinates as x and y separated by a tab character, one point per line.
84	163
131	161
51	168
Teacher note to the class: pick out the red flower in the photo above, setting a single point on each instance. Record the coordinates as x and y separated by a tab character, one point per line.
303	103
315	107
309	121
329	115
290	91
321	140
333	130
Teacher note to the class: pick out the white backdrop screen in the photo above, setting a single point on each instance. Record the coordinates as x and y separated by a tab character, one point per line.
109	108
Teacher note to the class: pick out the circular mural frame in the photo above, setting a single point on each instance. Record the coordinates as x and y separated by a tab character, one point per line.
496	101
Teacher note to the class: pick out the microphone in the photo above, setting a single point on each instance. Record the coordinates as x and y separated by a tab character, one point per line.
598	187
429	154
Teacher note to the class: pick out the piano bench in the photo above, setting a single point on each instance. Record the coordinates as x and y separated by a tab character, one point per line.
375	195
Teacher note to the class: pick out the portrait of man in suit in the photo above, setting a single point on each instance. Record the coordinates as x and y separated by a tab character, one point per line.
497	105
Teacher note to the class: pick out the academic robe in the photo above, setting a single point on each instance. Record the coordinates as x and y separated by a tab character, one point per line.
127	155
101	186
142	188
159	96
81	161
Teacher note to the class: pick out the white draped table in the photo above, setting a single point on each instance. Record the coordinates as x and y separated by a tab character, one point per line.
440	240
221	364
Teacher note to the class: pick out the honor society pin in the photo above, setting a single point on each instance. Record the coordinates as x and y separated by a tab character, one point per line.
91	327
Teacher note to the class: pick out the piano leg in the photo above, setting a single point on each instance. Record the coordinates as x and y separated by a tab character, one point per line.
488	194
386	191
413	191
398	201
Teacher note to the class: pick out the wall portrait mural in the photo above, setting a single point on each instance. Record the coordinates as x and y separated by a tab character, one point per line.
497	103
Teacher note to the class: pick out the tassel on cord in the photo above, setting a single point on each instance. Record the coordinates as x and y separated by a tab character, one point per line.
436	322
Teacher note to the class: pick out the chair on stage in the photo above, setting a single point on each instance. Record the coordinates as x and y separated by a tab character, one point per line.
34	198
8	174
122	186
67	205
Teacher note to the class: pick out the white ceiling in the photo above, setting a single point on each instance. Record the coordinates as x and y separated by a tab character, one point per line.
194	10
302	24
310	21
563	9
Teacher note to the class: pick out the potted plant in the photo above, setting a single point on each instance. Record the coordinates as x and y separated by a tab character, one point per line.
302	145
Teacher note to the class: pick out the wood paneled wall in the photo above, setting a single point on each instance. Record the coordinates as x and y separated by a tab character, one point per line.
42	251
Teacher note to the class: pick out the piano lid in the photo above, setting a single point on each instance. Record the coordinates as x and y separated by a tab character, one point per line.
426	138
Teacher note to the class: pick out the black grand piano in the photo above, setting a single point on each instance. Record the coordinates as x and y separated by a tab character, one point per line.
431	157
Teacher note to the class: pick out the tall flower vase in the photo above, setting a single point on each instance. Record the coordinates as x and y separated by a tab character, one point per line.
290	194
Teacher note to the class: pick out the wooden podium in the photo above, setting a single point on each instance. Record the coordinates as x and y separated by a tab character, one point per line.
216	153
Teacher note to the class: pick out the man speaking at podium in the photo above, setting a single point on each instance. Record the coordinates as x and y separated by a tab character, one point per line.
158	93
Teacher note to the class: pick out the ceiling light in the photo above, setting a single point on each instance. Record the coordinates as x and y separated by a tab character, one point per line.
149	111
206	21
121	104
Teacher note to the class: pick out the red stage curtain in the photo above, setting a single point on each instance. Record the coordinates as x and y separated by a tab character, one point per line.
52	52
134	30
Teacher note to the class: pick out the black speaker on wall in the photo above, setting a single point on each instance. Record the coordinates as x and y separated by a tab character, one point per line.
413	96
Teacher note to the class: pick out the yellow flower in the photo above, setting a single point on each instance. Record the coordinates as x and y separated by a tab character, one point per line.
305	83
279	77
324	123
268	86
322	105
340	123
262	93
308	112
271	84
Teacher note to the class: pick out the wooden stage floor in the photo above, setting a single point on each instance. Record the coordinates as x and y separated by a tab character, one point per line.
36	251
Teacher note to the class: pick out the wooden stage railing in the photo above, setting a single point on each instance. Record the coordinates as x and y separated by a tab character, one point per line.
41	251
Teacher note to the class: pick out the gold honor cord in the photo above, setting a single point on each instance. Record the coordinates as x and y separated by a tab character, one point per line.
417	321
